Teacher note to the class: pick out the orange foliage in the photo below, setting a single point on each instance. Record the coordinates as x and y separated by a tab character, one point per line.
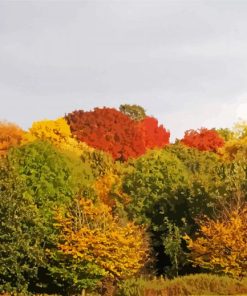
10	135
92	234
221	245
203	139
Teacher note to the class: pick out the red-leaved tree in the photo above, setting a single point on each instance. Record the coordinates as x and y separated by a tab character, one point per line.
154	135
203	139
110	130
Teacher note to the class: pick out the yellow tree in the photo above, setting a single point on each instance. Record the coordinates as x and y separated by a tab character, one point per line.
236	146
234	149
92	234
10	135
58	133
221	245
109	189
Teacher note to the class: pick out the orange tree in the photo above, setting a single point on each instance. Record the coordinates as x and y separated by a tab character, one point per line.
91	235
221	245
10	135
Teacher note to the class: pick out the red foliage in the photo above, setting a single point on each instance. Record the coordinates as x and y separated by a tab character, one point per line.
154	135
112	131
203	139
109	130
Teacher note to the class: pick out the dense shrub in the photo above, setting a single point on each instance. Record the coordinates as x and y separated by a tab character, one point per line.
200	284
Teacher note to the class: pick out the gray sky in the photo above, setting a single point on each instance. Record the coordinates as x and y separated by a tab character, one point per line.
184	61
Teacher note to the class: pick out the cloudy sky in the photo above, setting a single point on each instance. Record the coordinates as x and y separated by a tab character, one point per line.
184	61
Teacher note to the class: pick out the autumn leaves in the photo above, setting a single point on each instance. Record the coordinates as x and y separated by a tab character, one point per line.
99	194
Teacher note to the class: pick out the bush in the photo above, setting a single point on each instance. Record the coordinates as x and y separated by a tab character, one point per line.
198	284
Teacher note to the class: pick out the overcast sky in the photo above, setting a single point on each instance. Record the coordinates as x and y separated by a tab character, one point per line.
184	61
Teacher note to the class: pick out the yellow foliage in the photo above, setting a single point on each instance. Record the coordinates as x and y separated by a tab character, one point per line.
10	135
109	188
221	245
236	147
58	133
91	233
240	130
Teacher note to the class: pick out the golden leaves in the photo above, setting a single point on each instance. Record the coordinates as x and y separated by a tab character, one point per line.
94	235
109	188
58	133
221	245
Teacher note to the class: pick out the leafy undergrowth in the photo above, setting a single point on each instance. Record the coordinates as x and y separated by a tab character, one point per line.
194	285
200	284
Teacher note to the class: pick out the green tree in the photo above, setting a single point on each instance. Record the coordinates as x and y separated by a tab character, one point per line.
52	178
99	162
206	185
175	184
21	233
74	275
154	185
173	248
157	186
226	133
135	112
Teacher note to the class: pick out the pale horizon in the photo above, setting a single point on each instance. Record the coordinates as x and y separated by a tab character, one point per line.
185	62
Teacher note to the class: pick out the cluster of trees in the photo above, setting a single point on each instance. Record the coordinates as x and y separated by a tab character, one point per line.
97	197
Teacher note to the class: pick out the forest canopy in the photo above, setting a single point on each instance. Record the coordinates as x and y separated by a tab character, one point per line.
97	197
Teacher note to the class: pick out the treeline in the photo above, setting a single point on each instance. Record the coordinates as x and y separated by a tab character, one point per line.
94	198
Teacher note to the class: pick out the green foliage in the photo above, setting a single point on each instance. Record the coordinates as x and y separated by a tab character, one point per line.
172	246
226	133
158	188
99	162
50	176
234	175
135	112
169	190
21	233
131	287
154	185
206	183
73	275
203	165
